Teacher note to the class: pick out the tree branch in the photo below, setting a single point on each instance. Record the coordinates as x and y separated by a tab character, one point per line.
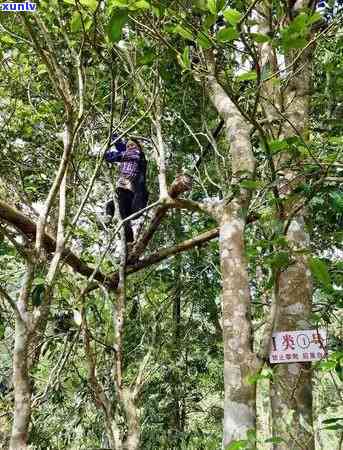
174	250
11	302
28	227
162	171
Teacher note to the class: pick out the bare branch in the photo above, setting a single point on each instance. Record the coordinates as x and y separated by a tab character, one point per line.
174	250
68	147
60	235
11	302
28	227
162	171
119	306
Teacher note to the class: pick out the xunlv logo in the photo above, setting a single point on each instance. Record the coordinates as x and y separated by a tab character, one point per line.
16	7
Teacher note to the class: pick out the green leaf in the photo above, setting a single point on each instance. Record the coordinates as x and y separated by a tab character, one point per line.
184	32
247	76
332	420
335	427
326	366
237	445
39	280
209	21
251	436
280	260
299	23
69	2
296	34
141	4
91	4
220	4
232	16
76	24
200	4
147	57
87	23
203	40
295	42
156	11
7	39
320	271
314	18
277	146
336	140
119	4
337	201
250	184
184	59
227	34
260	38
118	19
41	68
212	6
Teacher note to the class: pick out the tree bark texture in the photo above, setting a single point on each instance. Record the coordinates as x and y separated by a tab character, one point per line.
287	114
291	392
22	388
239	401
292	389
239	360
21	378
132	441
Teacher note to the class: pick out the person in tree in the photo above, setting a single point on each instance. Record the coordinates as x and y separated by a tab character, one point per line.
131	185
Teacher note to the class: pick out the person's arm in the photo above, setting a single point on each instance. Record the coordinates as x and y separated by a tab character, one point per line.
112	155
115	153
132	154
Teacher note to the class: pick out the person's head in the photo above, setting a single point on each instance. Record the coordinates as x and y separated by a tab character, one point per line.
134	143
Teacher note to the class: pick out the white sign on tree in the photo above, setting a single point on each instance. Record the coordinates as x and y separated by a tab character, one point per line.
298	346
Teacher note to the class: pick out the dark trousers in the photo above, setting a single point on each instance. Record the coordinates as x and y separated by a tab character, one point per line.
125	200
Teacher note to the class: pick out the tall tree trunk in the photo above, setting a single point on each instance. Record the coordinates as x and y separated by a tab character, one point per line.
22	388
132	441
239	360
291	392
176	425
240	397
21	378
292	388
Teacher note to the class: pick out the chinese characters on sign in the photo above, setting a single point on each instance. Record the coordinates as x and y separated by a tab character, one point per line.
298	346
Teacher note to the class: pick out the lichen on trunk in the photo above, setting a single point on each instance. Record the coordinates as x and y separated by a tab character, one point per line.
239	360
291	392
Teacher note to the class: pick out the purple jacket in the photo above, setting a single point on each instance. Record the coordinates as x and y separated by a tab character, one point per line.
130	166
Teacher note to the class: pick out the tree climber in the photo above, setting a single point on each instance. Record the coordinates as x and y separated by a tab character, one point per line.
130	188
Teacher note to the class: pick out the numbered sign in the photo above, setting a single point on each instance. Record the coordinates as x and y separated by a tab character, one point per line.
298	346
